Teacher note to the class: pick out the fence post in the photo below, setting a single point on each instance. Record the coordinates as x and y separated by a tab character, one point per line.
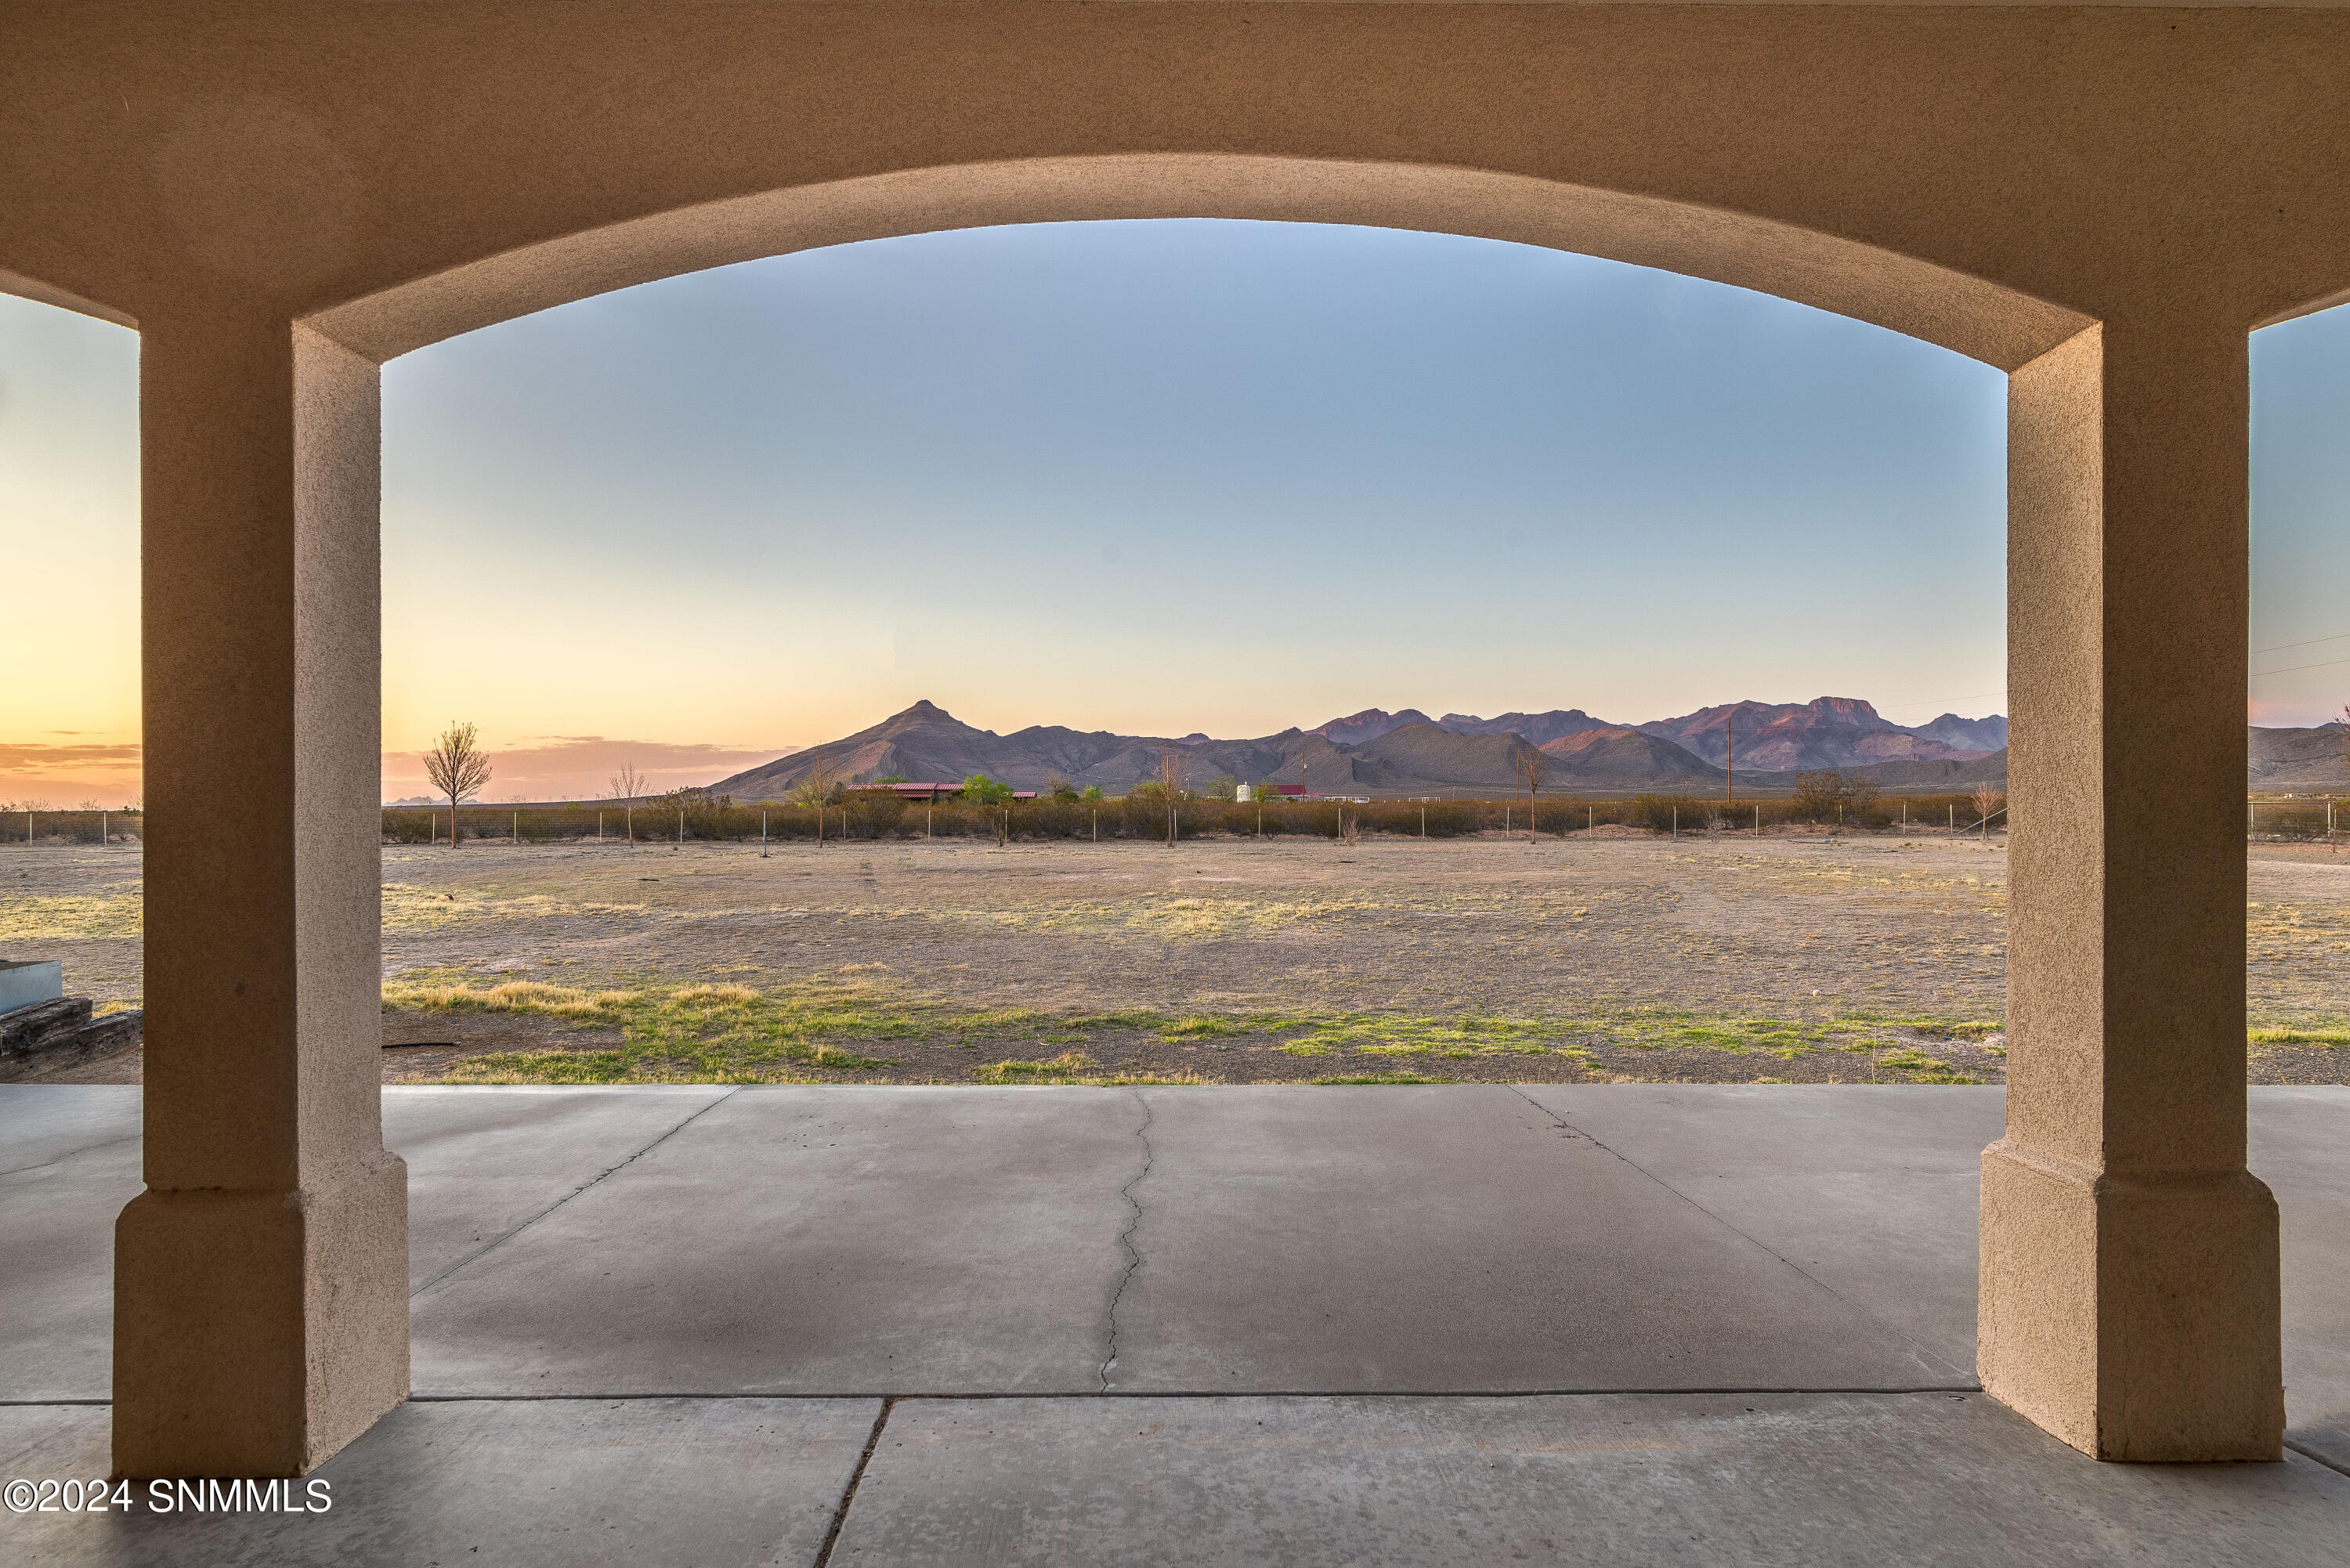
516	834
600	827
1676	821
102	829
1423	824
763	835
1590	820
1758	822
680	825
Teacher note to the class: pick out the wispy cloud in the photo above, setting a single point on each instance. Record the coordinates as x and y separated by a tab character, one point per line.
580	767
34	773
21	758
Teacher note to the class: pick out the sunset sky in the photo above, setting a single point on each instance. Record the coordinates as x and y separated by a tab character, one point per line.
1148	477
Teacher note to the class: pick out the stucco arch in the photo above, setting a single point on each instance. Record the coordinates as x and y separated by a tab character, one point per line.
44	293
1971	316
2100	201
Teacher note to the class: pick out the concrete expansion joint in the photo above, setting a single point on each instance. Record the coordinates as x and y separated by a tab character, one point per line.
2306	1452
855	1479
1924	1354
500	1239
1126	1237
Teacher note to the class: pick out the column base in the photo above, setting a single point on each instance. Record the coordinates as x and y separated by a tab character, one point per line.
255	1334
2135	1318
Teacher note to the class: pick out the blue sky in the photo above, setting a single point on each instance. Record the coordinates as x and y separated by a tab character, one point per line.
1158	477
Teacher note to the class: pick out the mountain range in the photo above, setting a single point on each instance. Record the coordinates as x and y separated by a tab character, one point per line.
1378	752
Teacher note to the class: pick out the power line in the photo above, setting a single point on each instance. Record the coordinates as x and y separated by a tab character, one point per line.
2326	664
2313	642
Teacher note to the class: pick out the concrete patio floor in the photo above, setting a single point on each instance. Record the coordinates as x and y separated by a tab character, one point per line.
908	1326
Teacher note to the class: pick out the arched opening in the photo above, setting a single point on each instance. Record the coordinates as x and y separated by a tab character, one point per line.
2055	352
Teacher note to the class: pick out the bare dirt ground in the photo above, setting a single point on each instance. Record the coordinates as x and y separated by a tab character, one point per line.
1790	958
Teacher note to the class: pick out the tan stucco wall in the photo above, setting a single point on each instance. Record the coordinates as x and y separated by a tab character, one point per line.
2101	200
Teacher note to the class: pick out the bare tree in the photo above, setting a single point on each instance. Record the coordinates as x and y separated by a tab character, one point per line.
627	784
1173	766
457	768
816	787
1988	799
1532	763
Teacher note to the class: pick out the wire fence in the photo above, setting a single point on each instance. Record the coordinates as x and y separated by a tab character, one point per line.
32	825
882	814
870	815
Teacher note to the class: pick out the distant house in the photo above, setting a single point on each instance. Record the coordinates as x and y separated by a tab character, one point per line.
931	794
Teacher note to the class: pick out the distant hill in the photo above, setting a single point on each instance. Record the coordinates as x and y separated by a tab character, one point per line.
1825	733
2285	760
1616	753
1369	725
1407	753
928	743
1542	728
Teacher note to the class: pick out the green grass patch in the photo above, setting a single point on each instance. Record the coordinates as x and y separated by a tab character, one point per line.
693	1034
1013	1071
1198	1028
2331	1038
805	1031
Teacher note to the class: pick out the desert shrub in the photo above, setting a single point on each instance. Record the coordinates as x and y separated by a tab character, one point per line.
871	813
1832	797
2296	819
1665	813
1052	816
1445	818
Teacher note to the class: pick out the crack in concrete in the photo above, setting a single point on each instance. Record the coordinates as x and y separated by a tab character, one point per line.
499	1241
72	1154
1894	1329
1126	1237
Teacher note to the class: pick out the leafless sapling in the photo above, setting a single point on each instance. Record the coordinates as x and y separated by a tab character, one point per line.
816	787
1173	766
627	784
1534	763
1988	799
457	768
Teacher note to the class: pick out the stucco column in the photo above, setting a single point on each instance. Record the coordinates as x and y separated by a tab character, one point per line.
261	1311
2129	1288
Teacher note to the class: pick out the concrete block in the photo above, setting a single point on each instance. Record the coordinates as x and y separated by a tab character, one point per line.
724	1483
26	981
1818	1480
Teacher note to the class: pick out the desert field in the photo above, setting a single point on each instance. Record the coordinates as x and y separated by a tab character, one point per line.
1790	958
